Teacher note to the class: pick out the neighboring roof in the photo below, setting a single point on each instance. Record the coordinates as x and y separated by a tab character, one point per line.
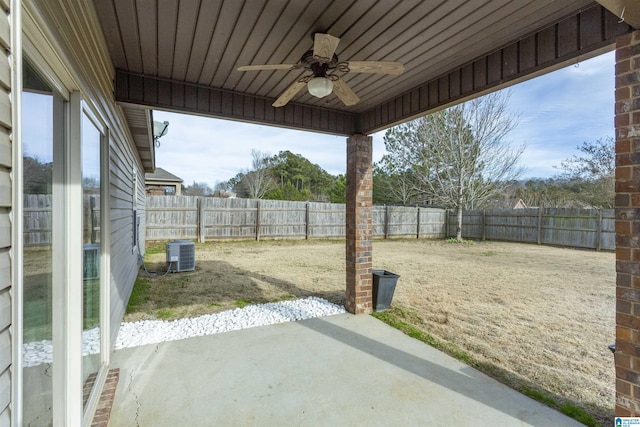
506	204
161	175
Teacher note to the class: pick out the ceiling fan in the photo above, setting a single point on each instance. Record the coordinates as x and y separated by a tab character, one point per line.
326	71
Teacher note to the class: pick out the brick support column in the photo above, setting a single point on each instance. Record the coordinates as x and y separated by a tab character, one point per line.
359	225
627	203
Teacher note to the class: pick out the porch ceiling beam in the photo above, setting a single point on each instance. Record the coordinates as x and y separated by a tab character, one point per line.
172	95
577	37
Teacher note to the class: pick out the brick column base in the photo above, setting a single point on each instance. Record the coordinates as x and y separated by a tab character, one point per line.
627	204
359	293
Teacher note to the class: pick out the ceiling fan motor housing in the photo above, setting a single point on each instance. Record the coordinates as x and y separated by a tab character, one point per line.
319	68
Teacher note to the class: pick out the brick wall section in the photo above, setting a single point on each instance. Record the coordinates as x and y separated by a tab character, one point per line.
359	227
103	411
627	124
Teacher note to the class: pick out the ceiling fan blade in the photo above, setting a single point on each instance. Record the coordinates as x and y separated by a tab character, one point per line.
324	46
268	67
289	93
344	92
380	67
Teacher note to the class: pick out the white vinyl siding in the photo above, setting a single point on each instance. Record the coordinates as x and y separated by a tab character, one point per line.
5	212
124	265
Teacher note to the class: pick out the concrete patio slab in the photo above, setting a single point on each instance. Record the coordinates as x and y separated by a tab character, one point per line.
330	371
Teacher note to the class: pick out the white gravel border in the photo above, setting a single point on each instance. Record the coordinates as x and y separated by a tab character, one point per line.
155	331
145	332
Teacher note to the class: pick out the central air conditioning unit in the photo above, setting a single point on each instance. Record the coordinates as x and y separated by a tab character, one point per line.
181	256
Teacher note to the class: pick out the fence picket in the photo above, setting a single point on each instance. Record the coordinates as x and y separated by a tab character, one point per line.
207	218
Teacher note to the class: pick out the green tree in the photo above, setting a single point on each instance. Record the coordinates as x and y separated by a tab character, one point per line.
285	176
302	175
339	190
288	192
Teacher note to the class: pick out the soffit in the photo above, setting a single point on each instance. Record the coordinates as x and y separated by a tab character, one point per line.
202	42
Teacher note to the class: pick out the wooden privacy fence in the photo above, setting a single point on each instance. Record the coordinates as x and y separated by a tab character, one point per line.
38	221
578	228
209	218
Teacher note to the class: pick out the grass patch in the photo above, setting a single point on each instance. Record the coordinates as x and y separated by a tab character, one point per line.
489	253
165	313
139	295
155	248
453	240
409	323
396	317
537	395
285	297
568	409
242	302
579	415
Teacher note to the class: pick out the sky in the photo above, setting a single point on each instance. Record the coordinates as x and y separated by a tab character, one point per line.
557	112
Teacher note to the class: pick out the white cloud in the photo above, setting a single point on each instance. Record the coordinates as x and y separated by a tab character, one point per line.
561	110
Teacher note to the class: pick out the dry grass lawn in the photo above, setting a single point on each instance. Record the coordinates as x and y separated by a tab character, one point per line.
542	316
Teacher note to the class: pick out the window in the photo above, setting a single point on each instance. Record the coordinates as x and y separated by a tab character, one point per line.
63	286
39	105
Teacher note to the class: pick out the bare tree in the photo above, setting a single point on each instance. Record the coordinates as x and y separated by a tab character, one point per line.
259	180
592	174
222	189
459	156
597	161
198	189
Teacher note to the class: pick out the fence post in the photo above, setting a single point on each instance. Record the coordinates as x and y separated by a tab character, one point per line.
92	218
540	225
386	222
200	219
257	219
306	222
599	234
418	225
446	224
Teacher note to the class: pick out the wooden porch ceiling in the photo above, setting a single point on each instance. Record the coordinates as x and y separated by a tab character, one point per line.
183	55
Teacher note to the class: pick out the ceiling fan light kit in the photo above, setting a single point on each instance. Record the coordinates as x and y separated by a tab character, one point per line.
320	87
324	66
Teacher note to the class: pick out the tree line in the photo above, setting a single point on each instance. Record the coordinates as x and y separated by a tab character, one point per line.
457	158
284	176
